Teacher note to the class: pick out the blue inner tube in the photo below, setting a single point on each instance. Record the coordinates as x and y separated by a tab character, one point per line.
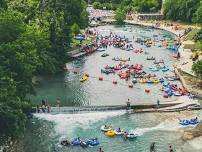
161	80
93	142
76	142
149	81
193	122
170	94
184	122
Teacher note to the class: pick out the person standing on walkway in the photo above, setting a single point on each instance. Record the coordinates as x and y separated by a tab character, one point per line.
158	103
43	102
58	103
48	108
128	106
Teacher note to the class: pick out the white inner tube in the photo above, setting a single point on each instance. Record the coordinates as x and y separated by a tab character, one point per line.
131	135
103	128
119	132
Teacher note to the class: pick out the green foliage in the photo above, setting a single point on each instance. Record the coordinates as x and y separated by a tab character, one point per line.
198	14
75	29
146	5
34	39
107	5
120	15
198	35
3	4
180	9
129	5
11	25
197	68
97	5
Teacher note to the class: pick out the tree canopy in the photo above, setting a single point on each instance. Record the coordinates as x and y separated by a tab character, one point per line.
35	36
186	11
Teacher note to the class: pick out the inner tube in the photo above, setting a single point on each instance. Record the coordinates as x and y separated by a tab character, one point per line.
156	81
76	142
165	69
93	142
134	80
165	95
105	129
110	133
184	122
131	136
65	143
84	144
177	94
149	81
161	80
193	121
119	132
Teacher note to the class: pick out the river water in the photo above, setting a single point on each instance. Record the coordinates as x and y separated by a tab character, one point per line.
45	131
71	92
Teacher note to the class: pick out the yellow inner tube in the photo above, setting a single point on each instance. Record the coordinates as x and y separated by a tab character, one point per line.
110	133
83	78
155	81
142	80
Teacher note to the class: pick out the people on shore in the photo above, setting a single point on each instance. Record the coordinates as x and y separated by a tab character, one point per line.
45	107
58	103
158	103
128	106
178	55
43	102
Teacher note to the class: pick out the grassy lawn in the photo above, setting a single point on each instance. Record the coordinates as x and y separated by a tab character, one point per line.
76	43
191	34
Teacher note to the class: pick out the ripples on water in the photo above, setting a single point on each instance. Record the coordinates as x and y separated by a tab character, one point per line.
47	135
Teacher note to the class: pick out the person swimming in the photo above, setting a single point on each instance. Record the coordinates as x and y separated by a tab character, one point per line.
100	150
125	134
119	130
65	143
152	147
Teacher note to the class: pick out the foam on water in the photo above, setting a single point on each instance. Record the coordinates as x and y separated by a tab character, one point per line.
167	125
65	123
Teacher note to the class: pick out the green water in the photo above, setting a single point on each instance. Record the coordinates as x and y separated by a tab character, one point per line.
45	131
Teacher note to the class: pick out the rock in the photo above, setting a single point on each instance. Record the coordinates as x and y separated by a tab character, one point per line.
187	136
193	133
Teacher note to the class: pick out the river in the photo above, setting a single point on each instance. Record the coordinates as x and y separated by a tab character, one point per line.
45	131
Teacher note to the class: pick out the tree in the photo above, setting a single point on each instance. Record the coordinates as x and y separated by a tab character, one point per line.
198	14
75	29
197	68
180	9
3	4
34	39
120	16
11	26
97	5
146	5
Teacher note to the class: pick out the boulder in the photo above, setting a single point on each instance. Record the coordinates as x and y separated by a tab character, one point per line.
193	133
